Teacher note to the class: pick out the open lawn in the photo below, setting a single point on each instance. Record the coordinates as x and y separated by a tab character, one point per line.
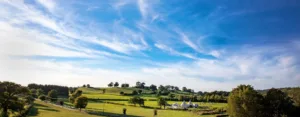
42	109
136	111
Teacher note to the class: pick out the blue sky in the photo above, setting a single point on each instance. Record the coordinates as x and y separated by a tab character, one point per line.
201	44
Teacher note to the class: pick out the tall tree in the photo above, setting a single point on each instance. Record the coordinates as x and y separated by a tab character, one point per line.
244	101
277	103
81	102
153	87
162	102
74	95
110	84
184	89
116	84
9	97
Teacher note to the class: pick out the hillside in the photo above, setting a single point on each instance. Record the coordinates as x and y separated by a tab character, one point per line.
42	109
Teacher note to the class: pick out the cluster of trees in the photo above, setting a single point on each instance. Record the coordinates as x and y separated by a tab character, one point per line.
61	90
116	84
125	85
111	84
87	85
136	100
14	98
244	101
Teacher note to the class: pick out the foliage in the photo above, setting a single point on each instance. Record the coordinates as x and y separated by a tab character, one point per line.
171	95
61	90
33	93
88	86
295	95
153	87
139	84
29	99
9	97
81	102
162	102
42	97
40	92
134	92
121	93
244	101
136	100
125	85
110	84
52	95
140	91
116	84
74	95
277	103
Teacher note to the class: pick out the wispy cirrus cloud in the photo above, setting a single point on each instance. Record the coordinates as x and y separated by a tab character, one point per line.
172	51
48	4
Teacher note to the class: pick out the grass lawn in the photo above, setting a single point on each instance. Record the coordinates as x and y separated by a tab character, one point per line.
42	109
135	111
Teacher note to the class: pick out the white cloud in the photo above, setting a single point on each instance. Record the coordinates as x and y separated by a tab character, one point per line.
48	4
188	42
172	51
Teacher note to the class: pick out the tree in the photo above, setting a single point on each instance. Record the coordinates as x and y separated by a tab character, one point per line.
88	86
140	91
277	103
81	102
136	100
244	101
52	95
162	102
40	92
116	84
74	95
171	95
84	85
184	89
295	95
138	84
121	93
110	84
176	88
9	97
153	87
161	88
33	93
134	92
42	97
125	85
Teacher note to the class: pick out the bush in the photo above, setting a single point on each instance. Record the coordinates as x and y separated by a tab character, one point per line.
121	93
134	92
42	97
136	100
61	103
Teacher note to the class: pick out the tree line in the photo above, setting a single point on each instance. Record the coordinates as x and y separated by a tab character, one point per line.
244	101
61	90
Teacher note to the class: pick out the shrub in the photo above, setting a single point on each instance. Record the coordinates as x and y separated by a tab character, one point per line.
121	93
42	97
134	92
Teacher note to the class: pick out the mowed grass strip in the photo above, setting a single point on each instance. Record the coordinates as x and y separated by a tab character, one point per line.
42	109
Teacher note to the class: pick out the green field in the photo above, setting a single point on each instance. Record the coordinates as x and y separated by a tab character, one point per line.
112	103
42	109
